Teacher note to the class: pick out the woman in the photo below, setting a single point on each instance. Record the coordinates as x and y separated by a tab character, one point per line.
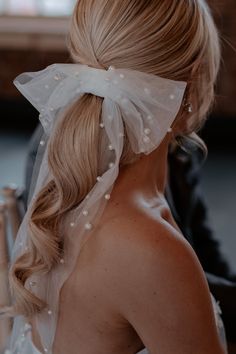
103	268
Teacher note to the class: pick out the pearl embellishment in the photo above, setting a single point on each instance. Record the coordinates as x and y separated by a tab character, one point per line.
85	212
72	224
32	283
172	97
56	77
88	226
147	131
42	142
62	261
107	196
146	139
99	179
102	125
110	147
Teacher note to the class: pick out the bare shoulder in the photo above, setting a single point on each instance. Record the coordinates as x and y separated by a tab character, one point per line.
161	285
142	251
151	243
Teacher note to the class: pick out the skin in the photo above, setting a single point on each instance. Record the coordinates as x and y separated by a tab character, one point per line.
137	282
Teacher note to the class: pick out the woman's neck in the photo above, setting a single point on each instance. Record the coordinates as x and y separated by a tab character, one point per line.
147	176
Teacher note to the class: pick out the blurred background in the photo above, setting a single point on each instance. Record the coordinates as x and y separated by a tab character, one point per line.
33	35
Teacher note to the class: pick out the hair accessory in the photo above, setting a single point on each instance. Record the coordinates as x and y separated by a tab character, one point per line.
187	105
143	105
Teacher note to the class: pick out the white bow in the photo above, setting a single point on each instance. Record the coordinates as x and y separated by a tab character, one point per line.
147	104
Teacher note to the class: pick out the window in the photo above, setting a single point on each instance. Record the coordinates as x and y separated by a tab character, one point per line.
37	7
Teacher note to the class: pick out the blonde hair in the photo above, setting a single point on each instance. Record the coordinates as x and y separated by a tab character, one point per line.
175	39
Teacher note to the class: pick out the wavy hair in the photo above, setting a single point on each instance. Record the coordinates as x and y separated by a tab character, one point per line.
175	39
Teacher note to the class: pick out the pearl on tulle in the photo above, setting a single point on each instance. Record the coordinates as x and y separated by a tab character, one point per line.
57	77
33	283
189	108
85	212
42	143
62	261
147	91
72	224
46	350
122	76
46	87
49	312
170	130
172	97
88	226
111	68
110	147
102	125
107	196
99	179
146	139
27	327
111	164
147	131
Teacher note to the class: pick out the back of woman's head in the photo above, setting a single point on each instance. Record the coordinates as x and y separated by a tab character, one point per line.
175	39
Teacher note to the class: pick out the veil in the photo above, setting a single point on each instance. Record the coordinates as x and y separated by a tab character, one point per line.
143	105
